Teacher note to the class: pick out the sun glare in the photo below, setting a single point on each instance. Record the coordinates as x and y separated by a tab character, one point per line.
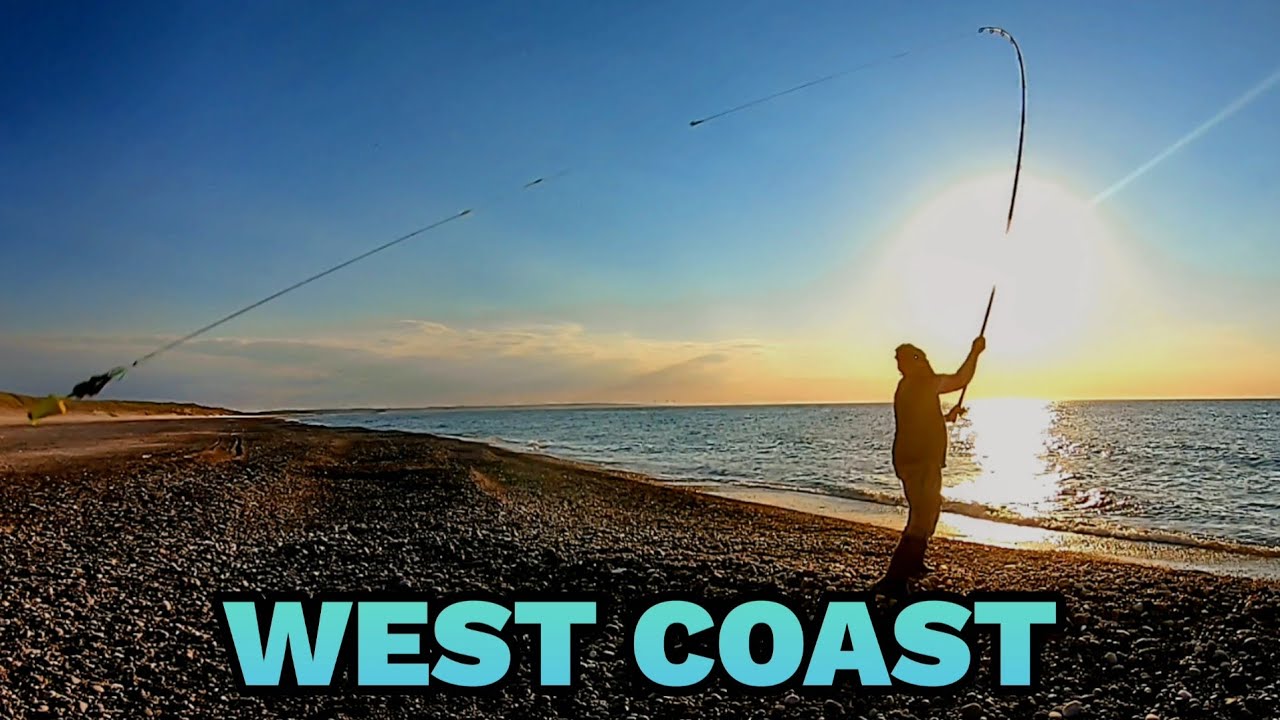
1003	465
934	275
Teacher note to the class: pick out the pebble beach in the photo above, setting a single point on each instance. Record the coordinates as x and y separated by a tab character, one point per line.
115	536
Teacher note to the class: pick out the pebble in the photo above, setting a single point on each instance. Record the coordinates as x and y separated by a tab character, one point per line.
92	589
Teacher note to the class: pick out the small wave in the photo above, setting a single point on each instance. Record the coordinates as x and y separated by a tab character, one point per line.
1111	532
1092	499
992	514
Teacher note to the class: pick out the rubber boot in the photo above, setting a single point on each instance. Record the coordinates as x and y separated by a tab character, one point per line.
915	563
907	561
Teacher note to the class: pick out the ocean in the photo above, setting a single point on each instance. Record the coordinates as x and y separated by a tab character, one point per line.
1192	473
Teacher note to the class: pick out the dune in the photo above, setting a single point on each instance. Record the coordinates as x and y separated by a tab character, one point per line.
13	409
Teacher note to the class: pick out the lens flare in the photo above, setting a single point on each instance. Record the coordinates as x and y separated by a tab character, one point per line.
935	274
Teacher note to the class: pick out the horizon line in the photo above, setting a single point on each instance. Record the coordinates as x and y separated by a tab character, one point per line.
680	405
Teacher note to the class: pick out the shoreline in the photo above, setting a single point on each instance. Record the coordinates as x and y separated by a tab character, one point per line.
953	526
115	537
1178	552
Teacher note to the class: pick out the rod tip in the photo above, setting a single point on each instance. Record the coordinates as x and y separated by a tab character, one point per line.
695	123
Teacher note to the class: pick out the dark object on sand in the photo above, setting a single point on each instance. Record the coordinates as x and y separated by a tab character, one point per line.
52	405
95	384
55	405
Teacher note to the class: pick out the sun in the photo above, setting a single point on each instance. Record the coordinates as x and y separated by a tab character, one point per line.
934	275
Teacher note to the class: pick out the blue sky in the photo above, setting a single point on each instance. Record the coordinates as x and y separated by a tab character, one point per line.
165	163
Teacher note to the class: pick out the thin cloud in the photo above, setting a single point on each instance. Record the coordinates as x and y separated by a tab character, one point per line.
1232	108
404	363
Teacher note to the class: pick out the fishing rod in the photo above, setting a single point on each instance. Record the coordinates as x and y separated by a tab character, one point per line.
94	385
1017	166
408	236
959	410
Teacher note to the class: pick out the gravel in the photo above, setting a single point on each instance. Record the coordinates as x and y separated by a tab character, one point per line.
111	560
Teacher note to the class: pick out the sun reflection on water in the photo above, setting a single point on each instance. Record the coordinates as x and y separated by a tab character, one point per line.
1002	458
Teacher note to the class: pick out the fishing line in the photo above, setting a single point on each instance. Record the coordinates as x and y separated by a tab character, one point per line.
1017	166
95	384
251	306
827	78
329	271
533	183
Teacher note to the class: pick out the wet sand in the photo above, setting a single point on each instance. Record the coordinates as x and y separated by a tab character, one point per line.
1251	562
114	537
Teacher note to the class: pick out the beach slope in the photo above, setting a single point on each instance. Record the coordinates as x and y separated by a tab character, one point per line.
114	538
14	406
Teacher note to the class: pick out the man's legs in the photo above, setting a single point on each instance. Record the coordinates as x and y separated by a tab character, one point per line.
924	495
922	485
928	501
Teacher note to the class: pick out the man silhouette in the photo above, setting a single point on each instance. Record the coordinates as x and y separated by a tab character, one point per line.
920	453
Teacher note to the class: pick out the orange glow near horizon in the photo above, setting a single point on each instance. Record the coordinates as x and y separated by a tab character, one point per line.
1082	312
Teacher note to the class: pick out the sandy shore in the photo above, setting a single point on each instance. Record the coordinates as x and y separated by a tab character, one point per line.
114	536
14	406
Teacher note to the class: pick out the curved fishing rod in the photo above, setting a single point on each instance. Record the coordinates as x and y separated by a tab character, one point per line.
95	384
1022	120
1017	166
958	410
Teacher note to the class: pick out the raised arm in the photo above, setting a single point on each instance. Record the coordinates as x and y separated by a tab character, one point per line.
963	376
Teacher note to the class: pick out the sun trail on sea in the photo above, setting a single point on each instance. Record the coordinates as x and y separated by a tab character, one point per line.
931	282
1004	458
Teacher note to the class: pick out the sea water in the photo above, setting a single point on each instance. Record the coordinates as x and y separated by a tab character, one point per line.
1194	473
